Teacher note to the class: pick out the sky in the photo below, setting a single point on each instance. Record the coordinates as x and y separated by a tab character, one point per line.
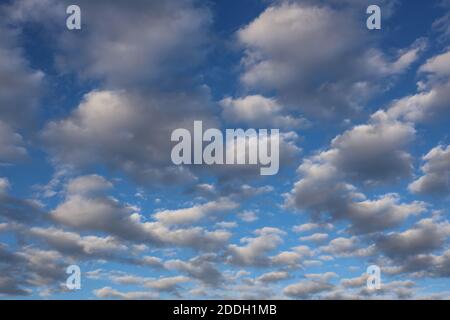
86	176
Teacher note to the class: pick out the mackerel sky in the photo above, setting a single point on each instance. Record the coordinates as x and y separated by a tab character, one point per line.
86	176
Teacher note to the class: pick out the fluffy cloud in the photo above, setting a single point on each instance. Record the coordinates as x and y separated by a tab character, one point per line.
321	193
436	178
347	247
98	212
146	42
426	236
201	268
114	128
273	276
11	144
330	77
255	250
110	293
316	237
433	93
72	244
193	214
28	268
373	152
314	285
20	90
259	112
17	209
20	86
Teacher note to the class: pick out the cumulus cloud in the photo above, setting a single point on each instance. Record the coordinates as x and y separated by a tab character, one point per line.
374	152
330	77
20	90
98	212
259	112
147	41
17	209
193	214
254	251
321	193
347	247
311	226
113	127
431	99
315	284
273	276
316	237
424	237
28	268
21	86
110	293
11	144
202	268
436	178
74	245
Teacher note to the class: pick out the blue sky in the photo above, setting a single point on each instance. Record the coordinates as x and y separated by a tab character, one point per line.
86	176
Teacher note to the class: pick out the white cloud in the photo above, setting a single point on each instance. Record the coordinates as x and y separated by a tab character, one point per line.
436	178
330	77
259	112
195	213
255	250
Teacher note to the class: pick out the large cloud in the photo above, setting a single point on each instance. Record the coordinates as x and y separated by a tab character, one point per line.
436	178
96	211
322	192
20	89
259	112
431	100
124	43
330	77
126	132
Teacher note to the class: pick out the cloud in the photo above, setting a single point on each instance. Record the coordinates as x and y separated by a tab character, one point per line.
21	86
17	209
321	193
4	185
255	250
310	226
148	40
201	268
20	90
11	144
330	77
436	178
425	236
316	237
167	284
430	101
373	152
28	268
307	288
193	214
114	128
98	212
248	216
72	244
347	247
88	184
259	112
274	276
110	293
